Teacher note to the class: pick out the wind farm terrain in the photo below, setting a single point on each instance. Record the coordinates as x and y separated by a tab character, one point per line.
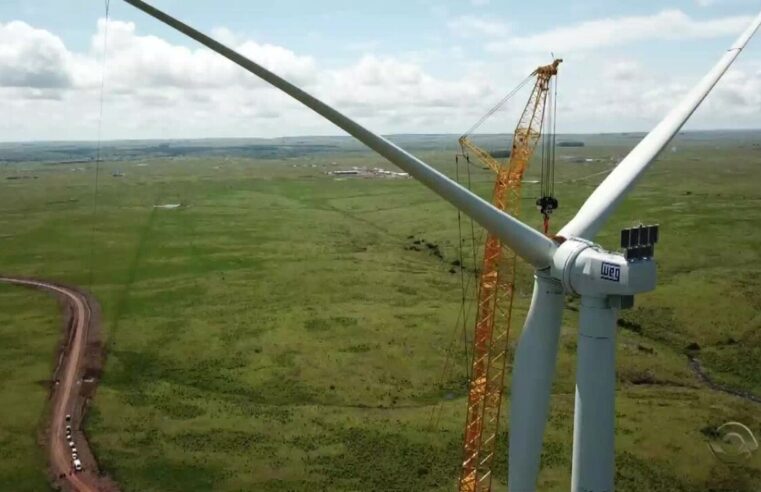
272	326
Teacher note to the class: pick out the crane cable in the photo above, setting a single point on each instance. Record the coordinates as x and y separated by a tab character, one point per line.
547	202
497	106
463	287
98	156
461	323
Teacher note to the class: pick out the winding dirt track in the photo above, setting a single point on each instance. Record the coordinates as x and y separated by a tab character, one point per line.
76	375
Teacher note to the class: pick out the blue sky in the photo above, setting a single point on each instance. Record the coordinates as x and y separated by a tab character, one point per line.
397	66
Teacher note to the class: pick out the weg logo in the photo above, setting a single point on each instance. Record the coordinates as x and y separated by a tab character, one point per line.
610	271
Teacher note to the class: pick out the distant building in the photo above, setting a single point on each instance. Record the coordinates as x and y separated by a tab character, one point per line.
375	172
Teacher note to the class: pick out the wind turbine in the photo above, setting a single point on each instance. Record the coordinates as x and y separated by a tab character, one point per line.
570	263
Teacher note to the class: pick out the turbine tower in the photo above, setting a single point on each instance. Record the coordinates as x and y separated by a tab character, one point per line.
568	264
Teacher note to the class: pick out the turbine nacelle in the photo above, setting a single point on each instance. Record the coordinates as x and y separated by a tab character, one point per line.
586	269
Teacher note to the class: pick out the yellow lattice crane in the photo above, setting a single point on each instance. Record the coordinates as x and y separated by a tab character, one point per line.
497	285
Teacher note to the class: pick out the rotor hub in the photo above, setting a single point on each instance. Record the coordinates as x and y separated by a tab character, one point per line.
586	269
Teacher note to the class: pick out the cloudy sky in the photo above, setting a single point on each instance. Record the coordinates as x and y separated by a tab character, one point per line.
397	66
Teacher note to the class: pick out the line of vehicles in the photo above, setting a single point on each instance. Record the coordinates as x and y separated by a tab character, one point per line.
75	461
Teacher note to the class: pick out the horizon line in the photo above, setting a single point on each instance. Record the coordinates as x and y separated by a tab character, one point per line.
388	135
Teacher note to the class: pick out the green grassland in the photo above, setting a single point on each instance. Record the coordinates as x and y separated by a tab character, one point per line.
277	331
29	329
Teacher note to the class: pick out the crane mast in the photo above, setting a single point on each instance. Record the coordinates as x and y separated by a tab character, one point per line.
496	291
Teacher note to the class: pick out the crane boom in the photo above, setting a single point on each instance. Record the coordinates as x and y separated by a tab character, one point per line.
496	291
468	146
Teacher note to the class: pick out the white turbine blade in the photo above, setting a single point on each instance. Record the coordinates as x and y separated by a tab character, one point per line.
527	242
604	200
533	373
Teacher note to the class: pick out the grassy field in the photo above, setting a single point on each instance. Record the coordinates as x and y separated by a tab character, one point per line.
279	332
29	330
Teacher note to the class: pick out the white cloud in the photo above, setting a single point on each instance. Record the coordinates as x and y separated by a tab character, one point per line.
225	36
623	70
32	57
148	61
628	95
603	33
739	93
160	89
478	26
392	85
157	89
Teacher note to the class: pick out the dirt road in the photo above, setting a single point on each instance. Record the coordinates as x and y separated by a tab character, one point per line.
76	375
